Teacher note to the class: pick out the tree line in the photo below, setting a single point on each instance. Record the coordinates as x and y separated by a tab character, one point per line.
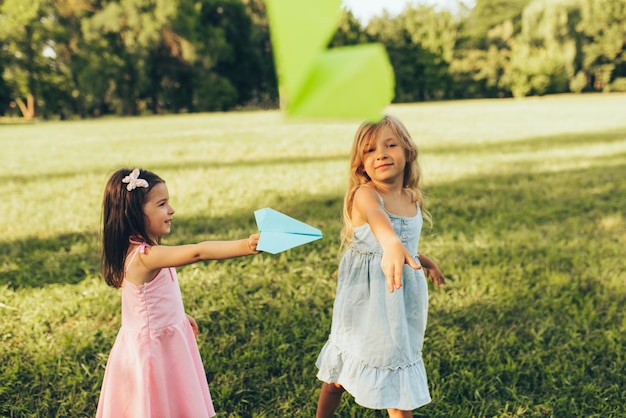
85	58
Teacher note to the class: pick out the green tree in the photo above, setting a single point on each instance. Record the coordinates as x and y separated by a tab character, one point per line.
169	64
420	42
230	63
349	31
128	32
5	90
23	38
486	15
603	24
543	54
214	90
481	72
66	45
482	57
265	91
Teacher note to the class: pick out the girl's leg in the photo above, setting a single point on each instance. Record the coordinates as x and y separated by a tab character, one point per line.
330	396
398	413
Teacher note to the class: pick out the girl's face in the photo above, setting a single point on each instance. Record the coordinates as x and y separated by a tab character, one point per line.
158	212
384	158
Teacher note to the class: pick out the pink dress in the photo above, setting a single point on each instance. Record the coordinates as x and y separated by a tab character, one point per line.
154	369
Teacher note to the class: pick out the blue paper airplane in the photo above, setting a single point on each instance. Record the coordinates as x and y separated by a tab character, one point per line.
280	232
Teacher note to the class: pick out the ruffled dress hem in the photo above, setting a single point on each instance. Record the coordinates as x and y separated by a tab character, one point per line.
401	387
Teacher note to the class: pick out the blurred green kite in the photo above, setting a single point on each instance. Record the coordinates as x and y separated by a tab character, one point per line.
347	82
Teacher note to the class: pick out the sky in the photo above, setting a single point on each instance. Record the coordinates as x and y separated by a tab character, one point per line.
363	10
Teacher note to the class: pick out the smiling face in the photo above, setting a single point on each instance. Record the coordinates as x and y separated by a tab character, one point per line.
384	158
157	212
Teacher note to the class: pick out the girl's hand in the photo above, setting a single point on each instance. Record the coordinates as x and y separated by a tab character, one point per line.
395	256
432	271
194	325
435	275
253	241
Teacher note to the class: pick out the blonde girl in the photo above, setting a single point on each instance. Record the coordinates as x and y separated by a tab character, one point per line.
374	350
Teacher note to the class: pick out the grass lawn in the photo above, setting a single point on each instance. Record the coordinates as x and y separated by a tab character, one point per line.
529	205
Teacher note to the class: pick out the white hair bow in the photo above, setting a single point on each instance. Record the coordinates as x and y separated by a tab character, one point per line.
134	181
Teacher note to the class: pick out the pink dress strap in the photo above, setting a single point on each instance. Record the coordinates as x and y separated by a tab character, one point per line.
141	248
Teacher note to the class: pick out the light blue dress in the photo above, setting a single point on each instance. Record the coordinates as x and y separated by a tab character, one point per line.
374	349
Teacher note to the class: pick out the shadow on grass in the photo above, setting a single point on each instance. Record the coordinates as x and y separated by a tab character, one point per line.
553	352
35	262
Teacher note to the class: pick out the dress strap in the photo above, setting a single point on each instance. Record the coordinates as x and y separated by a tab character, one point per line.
141	248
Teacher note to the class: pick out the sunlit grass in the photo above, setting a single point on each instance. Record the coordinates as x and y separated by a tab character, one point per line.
530	227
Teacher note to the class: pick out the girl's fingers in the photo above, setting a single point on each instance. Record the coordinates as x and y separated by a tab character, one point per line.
194	325
388	271
390	285
393	274
398	277
440	280
393	265
412	263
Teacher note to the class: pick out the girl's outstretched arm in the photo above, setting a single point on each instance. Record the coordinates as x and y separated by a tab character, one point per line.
161	256
432	270
367	209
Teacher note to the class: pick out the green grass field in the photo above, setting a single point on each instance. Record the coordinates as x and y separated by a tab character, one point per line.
529	205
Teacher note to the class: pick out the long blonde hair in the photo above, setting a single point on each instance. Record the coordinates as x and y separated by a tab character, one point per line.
365	135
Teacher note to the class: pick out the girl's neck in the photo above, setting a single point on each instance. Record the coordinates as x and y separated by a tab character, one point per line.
397	200
391	189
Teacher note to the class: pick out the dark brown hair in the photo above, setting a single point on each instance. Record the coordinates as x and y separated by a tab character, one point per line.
123	218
